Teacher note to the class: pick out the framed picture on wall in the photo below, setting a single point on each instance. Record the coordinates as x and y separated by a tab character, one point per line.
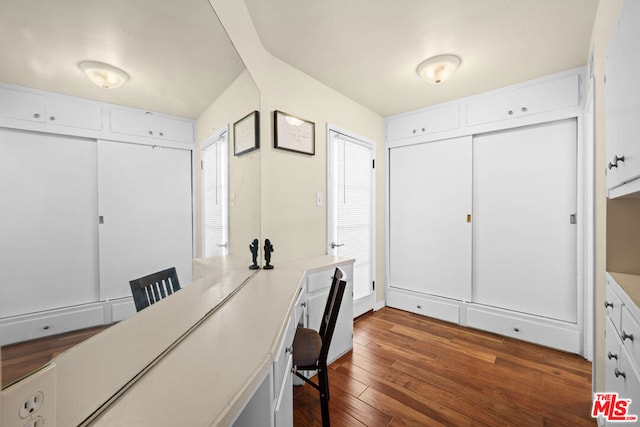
246	134
293	133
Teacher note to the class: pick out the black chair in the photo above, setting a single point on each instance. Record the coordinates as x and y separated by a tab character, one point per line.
310	348
152	288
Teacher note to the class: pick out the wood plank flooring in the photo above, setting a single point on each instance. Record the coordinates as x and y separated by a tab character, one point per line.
410	370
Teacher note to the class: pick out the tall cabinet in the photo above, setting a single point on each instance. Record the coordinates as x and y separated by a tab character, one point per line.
86	209
482	220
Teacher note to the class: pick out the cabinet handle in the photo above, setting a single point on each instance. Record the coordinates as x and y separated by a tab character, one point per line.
608	304
614	163
612	356
150	132
418	307
36	116
161	133
52	118
510	112
624	336
304	304
524	109
413	131
619	374
288	350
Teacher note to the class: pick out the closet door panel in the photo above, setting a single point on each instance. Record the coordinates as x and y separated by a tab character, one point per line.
146	205
524	245
430	198
49	227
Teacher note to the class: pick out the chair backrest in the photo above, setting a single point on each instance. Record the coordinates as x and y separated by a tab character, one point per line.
150	289
331	311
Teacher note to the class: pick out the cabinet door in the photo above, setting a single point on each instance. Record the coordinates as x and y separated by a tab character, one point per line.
21	105
614	93
491	108
76	114
283	411
145	202
626	89
429	210
49	227
548	96
151	125
433	120
524	242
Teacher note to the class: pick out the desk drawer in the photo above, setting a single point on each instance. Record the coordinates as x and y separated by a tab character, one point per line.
281	356
630	333
613	304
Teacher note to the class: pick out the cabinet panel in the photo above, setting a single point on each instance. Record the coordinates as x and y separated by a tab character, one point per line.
82	115
430	121
283	411
623	98
613	306
151	125
524	244
614	384
282	355
630	333
145	203
429	217
49	230
491	108
21	105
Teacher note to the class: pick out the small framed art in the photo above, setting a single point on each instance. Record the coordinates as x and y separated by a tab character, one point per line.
246	134
293	133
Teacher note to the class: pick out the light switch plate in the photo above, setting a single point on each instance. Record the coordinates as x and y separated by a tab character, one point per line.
17	400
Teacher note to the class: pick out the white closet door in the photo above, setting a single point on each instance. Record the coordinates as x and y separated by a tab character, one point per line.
145	201
48	222
524	246
429	200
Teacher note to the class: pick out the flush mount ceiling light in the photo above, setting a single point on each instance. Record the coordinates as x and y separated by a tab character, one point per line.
104	75
438	68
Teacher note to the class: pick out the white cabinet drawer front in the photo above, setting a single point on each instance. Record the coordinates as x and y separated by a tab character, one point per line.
282	355
628	376
299	310
322	279
424	122
526	329
630	333
30	327
613	305
612	362
432	307
283	411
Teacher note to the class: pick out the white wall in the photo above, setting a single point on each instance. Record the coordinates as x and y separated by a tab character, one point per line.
290	218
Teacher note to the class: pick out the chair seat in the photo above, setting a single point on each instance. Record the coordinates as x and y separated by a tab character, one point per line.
306	348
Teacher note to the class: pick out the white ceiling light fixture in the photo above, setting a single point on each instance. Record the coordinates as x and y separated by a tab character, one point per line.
438	68
104	75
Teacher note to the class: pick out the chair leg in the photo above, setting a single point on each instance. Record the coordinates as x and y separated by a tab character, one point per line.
324	396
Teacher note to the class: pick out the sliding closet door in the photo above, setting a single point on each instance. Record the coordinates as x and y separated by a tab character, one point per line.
144	197
48	226
429	234
524	241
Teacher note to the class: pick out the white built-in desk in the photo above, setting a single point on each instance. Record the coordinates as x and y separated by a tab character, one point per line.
204	356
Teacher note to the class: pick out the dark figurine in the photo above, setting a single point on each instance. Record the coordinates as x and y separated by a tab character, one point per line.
268	248
253	247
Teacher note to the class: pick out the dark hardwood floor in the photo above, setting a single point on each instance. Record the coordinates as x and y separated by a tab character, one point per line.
409	370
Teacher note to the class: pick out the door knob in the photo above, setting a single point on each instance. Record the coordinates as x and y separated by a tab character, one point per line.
336	245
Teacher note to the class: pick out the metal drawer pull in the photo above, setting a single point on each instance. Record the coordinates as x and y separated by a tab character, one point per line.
619	374
608	304
624	336
614	163
612	356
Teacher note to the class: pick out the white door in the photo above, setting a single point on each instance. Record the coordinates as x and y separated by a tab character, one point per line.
48	225
145	203
215	190
524	232
350	218
429	218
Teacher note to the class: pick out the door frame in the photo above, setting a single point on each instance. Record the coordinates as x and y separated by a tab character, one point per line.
368	302
213	139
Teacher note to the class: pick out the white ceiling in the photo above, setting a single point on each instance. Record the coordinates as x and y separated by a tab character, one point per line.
369	49
180	60
176	52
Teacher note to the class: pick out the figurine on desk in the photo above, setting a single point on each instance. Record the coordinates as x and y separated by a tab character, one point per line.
268	248
253	247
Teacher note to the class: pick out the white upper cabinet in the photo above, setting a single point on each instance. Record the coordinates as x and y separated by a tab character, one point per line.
32	107
534	99
622	101
423	122
151	125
